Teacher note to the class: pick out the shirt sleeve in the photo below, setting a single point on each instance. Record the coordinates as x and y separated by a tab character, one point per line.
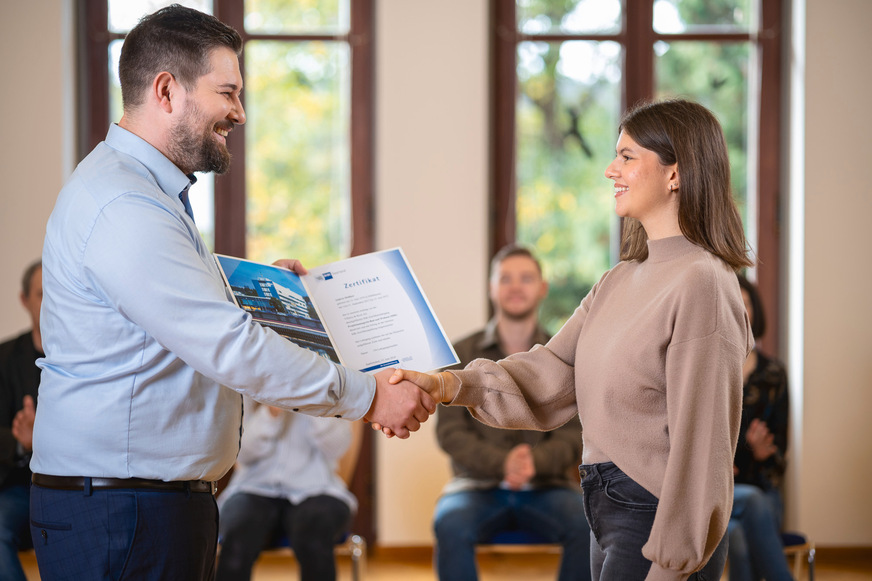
140	260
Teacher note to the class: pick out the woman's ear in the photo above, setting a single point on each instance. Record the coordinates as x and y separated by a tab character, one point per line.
672	176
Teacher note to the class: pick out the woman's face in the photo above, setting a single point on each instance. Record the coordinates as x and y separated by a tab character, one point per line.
642	184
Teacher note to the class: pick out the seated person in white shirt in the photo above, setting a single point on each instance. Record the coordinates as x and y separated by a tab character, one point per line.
285	483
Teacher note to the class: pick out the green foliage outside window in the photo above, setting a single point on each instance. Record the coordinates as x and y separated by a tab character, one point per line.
566	131
566	125
297	154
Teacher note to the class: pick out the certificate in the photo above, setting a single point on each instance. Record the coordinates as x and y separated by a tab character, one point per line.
366	312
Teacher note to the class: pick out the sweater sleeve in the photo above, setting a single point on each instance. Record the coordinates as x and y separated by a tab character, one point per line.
534	390
704	389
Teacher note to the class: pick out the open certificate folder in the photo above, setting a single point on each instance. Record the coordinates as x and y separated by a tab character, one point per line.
367	312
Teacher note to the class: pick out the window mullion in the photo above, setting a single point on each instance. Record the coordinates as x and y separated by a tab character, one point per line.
638	40
230	188
505	91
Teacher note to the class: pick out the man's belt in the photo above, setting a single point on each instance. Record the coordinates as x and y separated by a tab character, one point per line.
81	483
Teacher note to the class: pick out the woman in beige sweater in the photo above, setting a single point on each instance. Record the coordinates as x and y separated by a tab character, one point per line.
651	360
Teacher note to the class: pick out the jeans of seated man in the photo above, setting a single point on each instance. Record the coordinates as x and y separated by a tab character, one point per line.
14	530
622	527
464	519
248	523
756	551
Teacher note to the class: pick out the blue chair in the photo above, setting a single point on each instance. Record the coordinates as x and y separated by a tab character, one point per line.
797	545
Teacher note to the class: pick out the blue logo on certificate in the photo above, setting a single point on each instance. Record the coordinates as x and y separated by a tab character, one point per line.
328	276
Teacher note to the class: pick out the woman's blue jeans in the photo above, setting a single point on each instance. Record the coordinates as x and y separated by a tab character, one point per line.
621	515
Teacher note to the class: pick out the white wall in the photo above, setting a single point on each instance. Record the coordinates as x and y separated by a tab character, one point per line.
834	464
431	187
432	180
35	149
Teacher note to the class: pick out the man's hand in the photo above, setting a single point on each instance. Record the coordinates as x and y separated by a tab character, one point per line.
518	467
427	382
398	407
442	387
291	264
760	440
22	423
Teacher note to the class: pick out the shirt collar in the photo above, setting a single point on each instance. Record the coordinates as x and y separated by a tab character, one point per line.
168	176
491	339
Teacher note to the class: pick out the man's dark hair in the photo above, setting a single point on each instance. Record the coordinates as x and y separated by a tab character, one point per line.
27	277
512	250
175	39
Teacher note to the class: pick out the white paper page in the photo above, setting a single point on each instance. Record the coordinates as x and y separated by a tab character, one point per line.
377	315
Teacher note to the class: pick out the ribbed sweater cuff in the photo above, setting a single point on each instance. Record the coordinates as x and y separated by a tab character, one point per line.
658	573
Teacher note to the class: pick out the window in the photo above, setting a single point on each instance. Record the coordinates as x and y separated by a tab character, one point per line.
564	72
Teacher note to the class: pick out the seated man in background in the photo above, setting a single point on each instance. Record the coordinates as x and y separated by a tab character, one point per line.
19	381
514	479
285	483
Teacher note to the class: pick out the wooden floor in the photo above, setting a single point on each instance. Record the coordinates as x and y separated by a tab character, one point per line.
831	565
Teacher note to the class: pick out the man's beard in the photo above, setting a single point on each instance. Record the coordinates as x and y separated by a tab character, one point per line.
193	150
522	315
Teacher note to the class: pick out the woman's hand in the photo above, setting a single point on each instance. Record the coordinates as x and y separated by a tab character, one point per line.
442	387
760	440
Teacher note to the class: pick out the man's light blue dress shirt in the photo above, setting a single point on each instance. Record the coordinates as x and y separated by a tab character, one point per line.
145	357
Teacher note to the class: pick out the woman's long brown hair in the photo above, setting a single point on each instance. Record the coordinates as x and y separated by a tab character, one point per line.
688	134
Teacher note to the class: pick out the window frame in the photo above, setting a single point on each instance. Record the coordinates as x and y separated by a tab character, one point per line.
637	37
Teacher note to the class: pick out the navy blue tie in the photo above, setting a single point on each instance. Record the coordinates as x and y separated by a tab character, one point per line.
184	198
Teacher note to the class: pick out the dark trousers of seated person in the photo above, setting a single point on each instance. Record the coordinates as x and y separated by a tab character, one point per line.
250	523
118	534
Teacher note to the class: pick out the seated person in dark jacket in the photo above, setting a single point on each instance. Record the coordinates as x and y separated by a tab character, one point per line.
755	549
513	479
19	380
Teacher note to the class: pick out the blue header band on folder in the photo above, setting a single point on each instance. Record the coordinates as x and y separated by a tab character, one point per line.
380	365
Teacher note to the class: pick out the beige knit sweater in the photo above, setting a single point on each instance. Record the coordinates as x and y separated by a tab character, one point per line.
652	362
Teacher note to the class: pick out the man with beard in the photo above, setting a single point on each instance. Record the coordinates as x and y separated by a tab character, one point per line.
508	479
145	358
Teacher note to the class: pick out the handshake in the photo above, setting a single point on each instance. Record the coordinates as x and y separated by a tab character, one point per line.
405	399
